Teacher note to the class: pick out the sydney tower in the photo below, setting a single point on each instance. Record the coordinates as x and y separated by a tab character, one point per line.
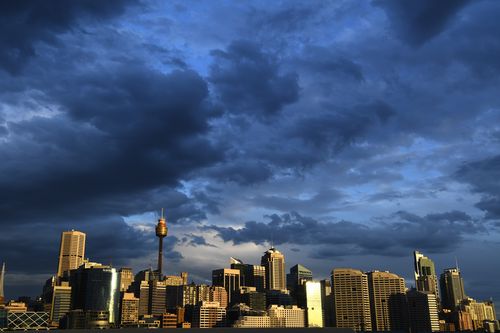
161	232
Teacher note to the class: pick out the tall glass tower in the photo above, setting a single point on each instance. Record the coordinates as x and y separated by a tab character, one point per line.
425	274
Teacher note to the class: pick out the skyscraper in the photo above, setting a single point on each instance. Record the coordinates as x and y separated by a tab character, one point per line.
351	300
423	311
126	278
425	274
251	275
61	303
452	288
383	287
94	287
129	309
2	277
295	282
314	308
161	232
227	278
71	251
274	263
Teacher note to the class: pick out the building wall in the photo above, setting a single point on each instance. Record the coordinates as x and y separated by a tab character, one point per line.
351	301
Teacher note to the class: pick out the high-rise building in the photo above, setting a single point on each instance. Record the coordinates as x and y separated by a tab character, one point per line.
126	277
452	288
129	310
480	312
274	263
327	302
143	295
157	297
94	287
314	307
209	314
161	232
295	281
227	278
71	251
61	303
386	314
351	300
2	277
286	316
176	280
250	275
218	294
423	311
425	274
254	299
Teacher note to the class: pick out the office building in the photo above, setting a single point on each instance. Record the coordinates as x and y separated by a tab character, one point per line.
479	312
126	277
351	300
423	312
209	314
425	274
274	264
278	297
250	275
90	319
157	297
227	278
286	316
71	251
61	303
313	305
384	310
176	280
452	288
253	322
168	320
218	294
94	287
327	302
129	310
298	276
143	296
250	296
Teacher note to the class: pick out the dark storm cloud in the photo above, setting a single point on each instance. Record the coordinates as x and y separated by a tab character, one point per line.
395	235
23	23
484	177
123	131
419	21
195	240
248	80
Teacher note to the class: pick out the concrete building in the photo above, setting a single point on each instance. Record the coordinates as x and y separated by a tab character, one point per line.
253	322
250	275
169	320
480	312
286	316
351	300
452	288
209	314
176	280
423	312
157	297
71	251
274	263
129	310
314	308
27	320
425	275
227	278
126	277
250	296
327	302
61	303
386	314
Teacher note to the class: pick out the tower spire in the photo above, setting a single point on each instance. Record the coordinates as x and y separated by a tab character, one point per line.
161	232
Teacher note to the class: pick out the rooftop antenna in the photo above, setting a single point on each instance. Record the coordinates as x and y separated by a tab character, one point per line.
456	263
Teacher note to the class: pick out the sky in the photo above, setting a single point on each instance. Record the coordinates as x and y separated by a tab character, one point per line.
344	133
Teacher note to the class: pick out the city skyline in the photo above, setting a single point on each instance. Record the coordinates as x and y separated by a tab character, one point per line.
342	133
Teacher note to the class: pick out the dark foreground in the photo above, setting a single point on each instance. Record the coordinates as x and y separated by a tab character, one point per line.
217	330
